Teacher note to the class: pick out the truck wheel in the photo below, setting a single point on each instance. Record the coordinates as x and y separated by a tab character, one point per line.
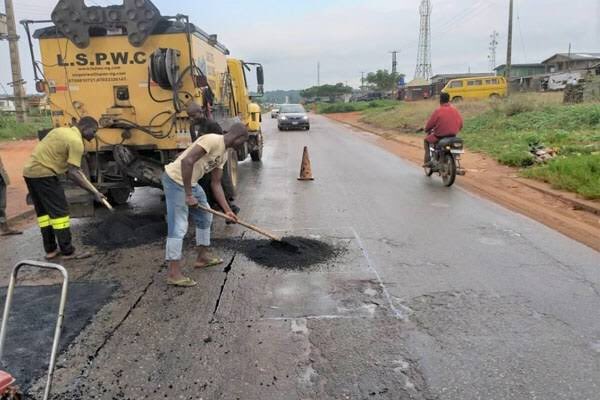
119	196
256	155
242	153
230	177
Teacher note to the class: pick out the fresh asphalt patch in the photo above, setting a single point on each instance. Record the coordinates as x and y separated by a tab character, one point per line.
293	253
118	231
32	322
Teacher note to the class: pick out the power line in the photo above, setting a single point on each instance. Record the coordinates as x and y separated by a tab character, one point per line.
521	32
455	21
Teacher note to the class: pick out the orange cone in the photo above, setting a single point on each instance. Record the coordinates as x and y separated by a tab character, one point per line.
305	170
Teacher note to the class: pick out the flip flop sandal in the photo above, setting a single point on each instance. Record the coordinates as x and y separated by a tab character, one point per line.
184	282
77	256
52	257
211	263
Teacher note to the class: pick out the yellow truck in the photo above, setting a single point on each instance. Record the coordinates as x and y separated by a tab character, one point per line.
135	71
476	88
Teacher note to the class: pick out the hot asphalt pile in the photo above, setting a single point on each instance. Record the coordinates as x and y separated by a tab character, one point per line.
122	231
296	253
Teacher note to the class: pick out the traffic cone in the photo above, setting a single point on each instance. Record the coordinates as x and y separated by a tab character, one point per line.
305	170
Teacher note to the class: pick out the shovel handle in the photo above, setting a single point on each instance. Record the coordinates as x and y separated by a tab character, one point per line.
92	188
247	225
107	204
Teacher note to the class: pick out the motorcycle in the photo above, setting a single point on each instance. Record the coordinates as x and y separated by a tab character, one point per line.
445	159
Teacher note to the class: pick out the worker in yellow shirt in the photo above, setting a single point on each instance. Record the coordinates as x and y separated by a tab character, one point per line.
60	152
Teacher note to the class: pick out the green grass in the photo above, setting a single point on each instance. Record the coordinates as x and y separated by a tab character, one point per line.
326	108
11	130
571	130
579	174
505	129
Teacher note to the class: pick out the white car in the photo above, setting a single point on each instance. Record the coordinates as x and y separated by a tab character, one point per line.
275	113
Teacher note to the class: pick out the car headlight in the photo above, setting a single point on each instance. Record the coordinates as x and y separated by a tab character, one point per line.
282	117
305	118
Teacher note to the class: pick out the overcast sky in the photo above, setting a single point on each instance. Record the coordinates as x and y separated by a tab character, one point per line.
349	36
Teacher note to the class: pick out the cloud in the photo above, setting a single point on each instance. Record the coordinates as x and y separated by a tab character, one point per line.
351	36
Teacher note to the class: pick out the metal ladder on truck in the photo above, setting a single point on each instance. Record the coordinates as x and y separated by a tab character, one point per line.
7	391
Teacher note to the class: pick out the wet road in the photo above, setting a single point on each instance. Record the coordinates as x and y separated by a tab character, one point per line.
438	294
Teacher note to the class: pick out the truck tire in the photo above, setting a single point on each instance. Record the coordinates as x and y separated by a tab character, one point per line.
230	175
242	153
256	154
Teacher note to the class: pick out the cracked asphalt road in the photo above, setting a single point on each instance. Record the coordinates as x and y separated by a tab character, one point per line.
438	295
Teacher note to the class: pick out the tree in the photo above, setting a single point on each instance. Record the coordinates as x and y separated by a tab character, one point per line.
339	89
383	79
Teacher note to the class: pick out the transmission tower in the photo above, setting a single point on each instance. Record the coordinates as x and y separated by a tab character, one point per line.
394	54
493	47
424	53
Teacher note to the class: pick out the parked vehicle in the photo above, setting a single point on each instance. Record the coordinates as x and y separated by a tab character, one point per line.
476	88
292	116
136	83
370	96
275	112
445	159
560	81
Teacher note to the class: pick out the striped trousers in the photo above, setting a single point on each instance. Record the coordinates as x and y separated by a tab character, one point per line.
52	212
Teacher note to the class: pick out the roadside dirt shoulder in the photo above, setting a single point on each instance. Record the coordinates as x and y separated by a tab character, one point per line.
561	211
14	156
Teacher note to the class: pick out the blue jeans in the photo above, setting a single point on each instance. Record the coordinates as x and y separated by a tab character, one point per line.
177	217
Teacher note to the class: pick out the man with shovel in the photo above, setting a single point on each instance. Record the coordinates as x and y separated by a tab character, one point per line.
60	152
208	154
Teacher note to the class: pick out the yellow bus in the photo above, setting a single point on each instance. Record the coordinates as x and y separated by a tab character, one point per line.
476	88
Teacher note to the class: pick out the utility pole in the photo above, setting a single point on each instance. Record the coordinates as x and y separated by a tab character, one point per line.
319	73
394	54
362	80
493	46
509	46
15	63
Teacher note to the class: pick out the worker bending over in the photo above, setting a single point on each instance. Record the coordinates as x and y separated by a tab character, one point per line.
58	153
182	192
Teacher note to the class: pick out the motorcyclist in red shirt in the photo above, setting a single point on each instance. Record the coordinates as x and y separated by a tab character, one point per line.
444	122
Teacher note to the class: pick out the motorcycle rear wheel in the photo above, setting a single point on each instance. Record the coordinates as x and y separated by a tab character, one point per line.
448	170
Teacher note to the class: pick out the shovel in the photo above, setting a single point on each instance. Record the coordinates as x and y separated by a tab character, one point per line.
93	189
256	229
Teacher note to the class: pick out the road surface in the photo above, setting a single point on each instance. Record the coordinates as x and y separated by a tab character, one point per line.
437	294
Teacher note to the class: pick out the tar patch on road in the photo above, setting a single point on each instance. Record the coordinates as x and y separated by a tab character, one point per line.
119	231
33	319
298	254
